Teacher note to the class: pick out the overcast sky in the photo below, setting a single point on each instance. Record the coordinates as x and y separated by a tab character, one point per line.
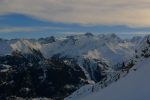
135	13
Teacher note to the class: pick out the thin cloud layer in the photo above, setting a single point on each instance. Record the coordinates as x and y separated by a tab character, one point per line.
28	29
134	13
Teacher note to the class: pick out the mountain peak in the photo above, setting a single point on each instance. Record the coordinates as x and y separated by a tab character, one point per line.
88	34
25	46
47	40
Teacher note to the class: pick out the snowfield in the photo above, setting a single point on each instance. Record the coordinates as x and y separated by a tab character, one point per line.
135	86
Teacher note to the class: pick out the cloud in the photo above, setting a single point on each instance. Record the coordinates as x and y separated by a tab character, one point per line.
28	29
134	13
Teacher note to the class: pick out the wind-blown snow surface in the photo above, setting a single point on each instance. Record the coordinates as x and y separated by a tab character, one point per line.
135	86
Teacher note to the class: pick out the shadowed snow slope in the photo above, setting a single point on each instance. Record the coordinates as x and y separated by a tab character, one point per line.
135	86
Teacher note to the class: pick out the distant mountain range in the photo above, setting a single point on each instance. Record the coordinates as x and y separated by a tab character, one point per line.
53	68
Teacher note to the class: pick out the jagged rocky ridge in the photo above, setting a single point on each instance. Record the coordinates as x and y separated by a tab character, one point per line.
31	75
54	68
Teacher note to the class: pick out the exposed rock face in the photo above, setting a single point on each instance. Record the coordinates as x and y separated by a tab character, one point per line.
31	76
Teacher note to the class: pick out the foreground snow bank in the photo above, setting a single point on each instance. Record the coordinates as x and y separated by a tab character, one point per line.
135	86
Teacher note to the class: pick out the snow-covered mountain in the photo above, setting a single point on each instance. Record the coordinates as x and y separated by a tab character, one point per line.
76	60
109	47
88	50
140	59
25	46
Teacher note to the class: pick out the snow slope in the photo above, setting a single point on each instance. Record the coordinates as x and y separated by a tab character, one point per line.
135	86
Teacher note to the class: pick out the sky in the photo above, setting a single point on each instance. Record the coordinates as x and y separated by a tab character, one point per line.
37	18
